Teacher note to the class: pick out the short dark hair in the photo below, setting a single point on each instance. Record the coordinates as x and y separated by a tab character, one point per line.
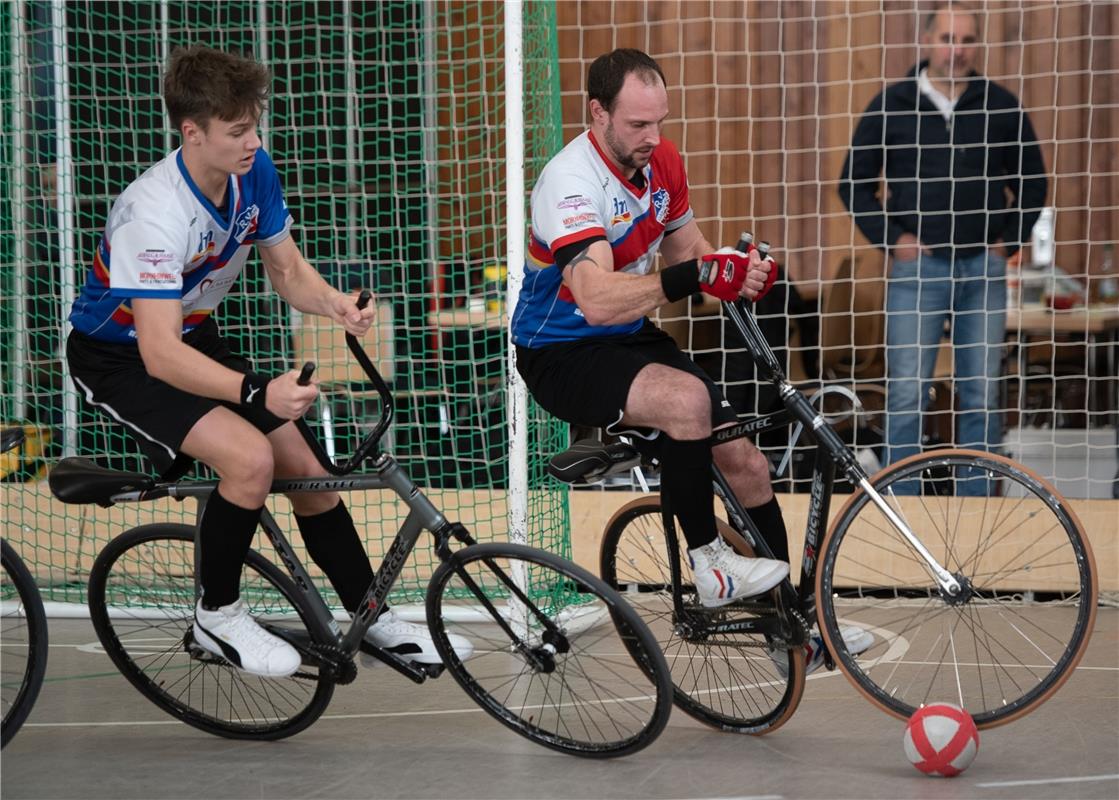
202	83
608	73
957	7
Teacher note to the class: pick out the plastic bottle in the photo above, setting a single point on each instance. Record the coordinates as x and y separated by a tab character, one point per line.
1107	287
1041	239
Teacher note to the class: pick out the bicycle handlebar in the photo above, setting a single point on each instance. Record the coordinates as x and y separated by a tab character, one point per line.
388	409
739	312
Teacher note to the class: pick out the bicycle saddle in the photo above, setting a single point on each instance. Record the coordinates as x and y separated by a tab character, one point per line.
79	480
590	459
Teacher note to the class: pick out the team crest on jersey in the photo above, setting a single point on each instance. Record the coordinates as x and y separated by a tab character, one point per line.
245	223
660	204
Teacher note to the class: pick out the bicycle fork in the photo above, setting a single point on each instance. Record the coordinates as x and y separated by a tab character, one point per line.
827	438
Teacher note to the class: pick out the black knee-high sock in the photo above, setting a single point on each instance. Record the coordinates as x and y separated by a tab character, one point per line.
334	544
686	483
225	535
768	518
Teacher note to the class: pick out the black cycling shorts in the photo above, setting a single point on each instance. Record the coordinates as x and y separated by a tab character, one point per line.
112	378
587	382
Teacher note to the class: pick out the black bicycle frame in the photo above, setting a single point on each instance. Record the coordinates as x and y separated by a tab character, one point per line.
830	452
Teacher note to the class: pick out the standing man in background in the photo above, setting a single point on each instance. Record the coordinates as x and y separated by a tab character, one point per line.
965	183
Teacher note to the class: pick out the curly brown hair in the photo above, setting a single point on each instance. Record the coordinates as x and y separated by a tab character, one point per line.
202	83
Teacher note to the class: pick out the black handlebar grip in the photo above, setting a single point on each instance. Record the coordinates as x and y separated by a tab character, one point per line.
363	299
745	239
305	374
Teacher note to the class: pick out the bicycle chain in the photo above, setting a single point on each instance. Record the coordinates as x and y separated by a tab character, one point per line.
752	643
336	665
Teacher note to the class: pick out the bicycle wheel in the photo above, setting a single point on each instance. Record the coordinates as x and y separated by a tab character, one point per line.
555	670
23	641
141	601
733	682
1015	632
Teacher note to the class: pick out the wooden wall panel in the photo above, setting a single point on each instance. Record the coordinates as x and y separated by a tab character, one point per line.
764	96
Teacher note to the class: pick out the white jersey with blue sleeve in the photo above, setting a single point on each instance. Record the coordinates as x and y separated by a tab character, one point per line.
582	196
165	239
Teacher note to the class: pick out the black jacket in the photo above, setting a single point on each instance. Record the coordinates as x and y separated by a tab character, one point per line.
954	173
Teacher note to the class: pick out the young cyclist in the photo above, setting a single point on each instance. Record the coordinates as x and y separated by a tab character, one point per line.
145	349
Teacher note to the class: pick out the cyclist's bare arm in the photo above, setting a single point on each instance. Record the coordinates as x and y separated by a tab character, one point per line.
302	286
159	326
607	297
683	243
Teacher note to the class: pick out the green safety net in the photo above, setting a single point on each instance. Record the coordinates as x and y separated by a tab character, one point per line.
387	125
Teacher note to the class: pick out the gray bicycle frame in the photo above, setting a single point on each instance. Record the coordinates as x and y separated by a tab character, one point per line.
422	515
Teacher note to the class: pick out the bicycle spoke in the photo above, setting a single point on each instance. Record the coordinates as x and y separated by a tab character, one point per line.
1022	617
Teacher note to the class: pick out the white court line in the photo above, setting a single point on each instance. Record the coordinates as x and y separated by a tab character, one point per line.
95	647
1082	779
372	715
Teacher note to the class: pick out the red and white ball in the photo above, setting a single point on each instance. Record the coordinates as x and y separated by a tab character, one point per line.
941	739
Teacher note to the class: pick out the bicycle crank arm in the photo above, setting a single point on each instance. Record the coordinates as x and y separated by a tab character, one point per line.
413	671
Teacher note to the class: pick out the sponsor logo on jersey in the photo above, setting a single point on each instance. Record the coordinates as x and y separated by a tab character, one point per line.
154	257
621	212
157	278
245	223
577	220
573	202
208	285
660	204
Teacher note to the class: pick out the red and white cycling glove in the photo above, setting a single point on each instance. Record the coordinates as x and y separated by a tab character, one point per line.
720	274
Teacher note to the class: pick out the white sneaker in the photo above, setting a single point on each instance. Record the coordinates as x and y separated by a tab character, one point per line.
230	632
856	640
723	576
409	641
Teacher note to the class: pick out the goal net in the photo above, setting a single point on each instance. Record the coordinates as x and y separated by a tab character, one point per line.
764	97
386	124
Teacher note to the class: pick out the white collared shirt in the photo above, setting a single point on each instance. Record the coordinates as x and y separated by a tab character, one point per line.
945	105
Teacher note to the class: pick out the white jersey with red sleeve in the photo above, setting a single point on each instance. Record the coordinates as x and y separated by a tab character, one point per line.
579	196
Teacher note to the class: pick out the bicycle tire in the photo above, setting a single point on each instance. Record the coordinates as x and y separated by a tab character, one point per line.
588	694
27	649
141	601
1020	626
739	688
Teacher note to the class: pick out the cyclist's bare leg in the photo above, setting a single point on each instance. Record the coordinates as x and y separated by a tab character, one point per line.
746	470
294	459
670	400
679	404
239	453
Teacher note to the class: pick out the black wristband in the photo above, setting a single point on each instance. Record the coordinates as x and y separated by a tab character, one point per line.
680	280
253	389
